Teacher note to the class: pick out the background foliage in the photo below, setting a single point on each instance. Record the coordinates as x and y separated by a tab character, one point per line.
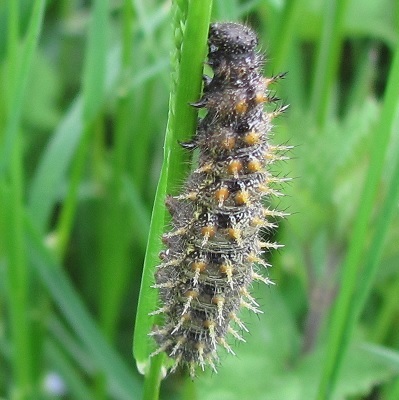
84	98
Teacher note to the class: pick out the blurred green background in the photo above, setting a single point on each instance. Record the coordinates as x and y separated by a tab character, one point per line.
85	87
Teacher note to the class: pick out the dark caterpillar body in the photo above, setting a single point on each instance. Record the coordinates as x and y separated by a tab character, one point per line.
214	249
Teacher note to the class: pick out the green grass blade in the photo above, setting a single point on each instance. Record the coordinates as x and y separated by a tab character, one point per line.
95	63
328	58
66	218
181	126
341	322
20	78
12	47
18	281
53	165
385	218
11	161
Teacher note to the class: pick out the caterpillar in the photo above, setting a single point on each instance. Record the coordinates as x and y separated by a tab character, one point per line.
213	253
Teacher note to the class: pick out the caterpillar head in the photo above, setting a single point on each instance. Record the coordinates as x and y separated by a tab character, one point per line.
231	38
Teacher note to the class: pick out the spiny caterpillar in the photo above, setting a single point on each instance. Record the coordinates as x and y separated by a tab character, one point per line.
214	250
